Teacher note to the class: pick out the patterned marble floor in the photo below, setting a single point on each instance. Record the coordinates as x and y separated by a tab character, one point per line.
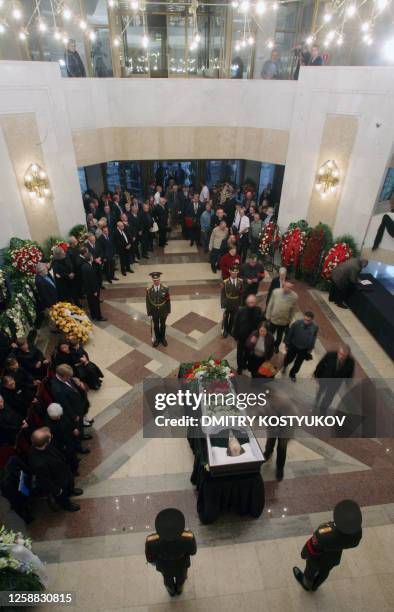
241	564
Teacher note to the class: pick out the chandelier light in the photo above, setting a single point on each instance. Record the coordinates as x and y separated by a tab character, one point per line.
36	183
327	178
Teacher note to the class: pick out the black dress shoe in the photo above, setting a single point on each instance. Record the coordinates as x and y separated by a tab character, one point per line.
102	319
102	287
239	371
109	281
225	334
131	271
86	436
299	576
76	492
156	343
124	274
114	278
171	592
83	451
70	507
279	474
145	256
164	342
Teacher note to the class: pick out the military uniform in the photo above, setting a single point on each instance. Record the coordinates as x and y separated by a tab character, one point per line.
170	548
230	300
323	550
158	306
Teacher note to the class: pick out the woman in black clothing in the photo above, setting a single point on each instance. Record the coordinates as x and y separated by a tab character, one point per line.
85	369
31	359
11	422
62	355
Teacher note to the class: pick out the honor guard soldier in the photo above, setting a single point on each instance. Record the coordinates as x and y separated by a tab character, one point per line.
323	550
158	306
231	299
169	549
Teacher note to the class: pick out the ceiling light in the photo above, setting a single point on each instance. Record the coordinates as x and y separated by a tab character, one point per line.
145	41
67	14
57	35
270	44
22	35
339	41
365	26
327	17
42	26
116	42
309	40
260	8
275	6
235	4
92	36
388	50
83	24
250	40
244	6
351	10
2	28
16	13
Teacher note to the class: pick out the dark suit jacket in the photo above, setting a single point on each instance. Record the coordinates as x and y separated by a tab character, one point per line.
192	214
90	280
246	321
328	368
106	247
70	399
160	214
120	242
47	293
51	470
146	221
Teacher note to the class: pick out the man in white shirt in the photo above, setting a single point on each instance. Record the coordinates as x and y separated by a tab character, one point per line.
204	193
242	224
157	195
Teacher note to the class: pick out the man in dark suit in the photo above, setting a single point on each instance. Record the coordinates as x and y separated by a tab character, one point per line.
92	247
135	230
247	320
73	399
65	435
330	372
122	240
107	251
146	225
116	207
46	287
194	211
276	283
109	215
170	548
160	215
51	470
91	288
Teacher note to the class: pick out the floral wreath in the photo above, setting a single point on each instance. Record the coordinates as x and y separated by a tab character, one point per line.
72	321
293	244
59	244
3	288
209	369
25	258
313	250
338	253
268	236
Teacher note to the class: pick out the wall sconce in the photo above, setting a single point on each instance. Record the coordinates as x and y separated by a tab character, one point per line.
327	178
36	183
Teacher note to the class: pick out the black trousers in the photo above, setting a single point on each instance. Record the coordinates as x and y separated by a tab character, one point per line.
243	246
175	579
94	305
195	234
162	236
279	330
229	315
145	242
159	324
241	354
214	258
124	260
280	451
387	223
315	574
109	269
324	396
297	355
63	498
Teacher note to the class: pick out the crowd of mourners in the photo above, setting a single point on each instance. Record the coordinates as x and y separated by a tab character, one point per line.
44	421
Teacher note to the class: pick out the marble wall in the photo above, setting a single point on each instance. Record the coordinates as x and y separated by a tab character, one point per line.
340	112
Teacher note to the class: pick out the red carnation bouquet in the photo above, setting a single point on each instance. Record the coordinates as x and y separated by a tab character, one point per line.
25	258
338	253
270	235
293	244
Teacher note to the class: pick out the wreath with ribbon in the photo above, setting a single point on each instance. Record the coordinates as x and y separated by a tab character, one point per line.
72	321
269	235
292	247
338	253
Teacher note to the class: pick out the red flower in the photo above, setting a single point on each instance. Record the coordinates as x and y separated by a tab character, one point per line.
338	253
